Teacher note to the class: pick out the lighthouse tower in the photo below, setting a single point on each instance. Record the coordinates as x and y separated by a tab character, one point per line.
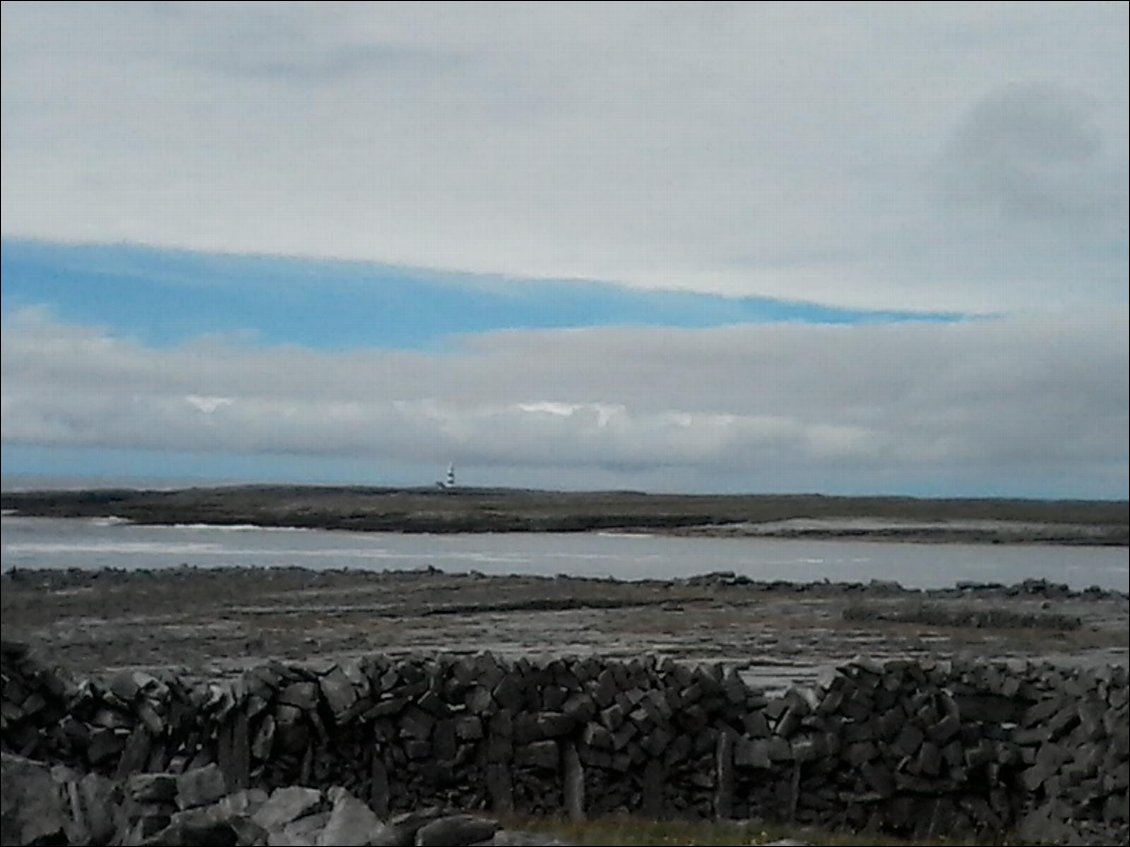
449	480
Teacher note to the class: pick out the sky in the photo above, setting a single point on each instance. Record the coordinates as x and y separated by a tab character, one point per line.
839	248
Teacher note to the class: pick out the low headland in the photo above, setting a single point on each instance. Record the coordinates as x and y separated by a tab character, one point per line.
437	510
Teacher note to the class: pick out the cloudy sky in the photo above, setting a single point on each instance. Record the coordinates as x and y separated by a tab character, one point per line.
847	248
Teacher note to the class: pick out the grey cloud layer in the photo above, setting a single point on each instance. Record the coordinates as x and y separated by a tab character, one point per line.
990	402
956	156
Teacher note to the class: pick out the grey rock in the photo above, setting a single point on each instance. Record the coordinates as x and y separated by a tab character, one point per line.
455	830
573	787
287	715
286	805
597	736
303	832
945	729
416	723
264	738
400	831
1044	826
350	821
752	753
104	745
756	726
554	724
508	693
242	803
656	741
124	686
152	719
192	833
779	749
248	833
478	700
579	706
200	787
432	703
500	787
152	787
95	809
468	727
301	695
224	822
879	778
909	740
804	749
135	752
540	754
338	691
929	758
31	807
444	739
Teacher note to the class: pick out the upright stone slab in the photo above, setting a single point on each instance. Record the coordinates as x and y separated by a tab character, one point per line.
500	787
651	799
135	753
233	751
574	787
724	777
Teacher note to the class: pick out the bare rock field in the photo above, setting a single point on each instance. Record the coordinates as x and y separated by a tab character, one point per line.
213	622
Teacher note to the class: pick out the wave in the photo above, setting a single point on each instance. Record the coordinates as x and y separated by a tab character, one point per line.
128	548
239	527
214	550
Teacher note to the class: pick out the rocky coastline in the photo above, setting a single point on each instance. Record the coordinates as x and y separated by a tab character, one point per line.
434	510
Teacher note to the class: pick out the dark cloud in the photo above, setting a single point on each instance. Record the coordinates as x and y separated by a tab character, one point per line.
1035	152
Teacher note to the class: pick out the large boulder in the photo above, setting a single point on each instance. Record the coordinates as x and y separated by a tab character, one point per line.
455	831
351	821
32	810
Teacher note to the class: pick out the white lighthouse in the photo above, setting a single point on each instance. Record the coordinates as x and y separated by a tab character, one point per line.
449	480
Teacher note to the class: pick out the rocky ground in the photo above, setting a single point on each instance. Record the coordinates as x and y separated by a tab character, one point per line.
55	805
215	621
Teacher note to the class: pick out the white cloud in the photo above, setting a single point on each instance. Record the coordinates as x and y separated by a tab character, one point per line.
207	405
990	406
788	150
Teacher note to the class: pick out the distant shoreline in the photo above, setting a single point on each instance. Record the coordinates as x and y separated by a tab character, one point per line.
472	510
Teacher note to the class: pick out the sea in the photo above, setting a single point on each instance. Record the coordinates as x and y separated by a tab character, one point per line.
27	542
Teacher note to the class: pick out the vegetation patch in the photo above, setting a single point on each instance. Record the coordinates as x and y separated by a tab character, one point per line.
993	617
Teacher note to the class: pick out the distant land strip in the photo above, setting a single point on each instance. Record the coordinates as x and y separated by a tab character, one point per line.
436	510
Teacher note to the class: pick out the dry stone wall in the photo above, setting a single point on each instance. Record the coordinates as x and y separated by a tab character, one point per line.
905	747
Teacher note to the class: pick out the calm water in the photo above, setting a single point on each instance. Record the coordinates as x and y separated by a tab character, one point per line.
81	543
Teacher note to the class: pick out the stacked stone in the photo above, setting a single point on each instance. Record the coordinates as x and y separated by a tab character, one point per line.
33	702
1075	740
134	722
907	747
923	749
888	747
430	726
649	733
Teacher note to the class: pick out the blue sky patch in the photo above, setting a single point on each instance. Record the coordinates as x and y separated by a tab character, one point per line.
163	297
